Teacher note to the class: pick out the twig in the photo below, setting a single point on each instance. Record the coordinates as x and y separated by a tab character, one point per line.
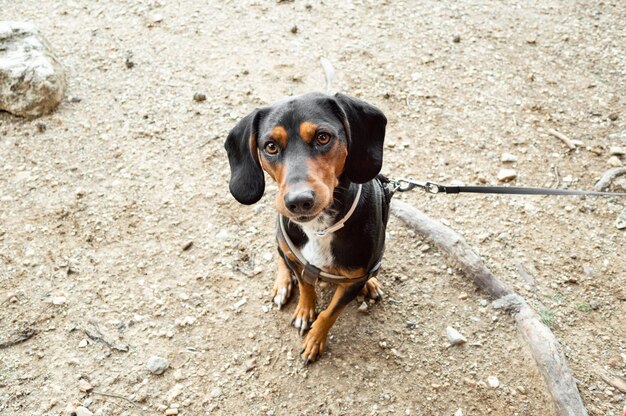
563	138
25	335
615	381
117	396
95	335
607	177
527	277
542	343
558	178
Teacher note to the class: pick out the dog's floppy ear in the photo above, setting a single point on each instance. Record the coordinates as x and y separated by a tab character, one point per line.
247	182
365	128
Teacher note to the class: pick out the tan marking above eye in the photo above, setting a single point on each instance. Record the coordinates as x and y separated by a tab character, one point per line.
280	136
307	131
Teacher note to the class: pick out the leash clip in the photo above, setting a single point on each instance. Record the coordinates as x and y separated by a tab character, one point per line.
404	185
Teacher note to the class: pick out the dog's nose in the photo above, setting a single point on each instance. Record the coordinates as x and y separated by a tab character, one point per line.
300	201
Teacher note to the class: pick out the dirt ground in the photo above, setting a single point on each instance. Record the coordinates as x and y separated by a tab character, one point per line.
100	201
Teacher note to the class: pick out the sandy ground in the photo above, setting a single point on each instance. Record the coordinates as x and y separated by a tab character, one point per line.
100	200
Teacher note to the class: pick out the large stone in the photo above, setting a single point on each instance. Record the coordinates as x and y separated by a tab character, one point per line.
32	81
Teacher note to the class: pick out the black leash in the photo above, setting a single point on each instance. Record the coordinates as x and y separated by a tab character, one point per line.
403	185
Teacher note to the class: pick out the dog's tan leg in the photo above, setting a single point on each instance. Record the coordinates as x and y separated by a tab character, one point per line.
315	341
304	315
283	285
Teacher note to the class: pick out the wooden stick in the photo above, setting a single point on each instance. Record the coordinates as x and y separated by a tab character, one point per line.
543	345
563	138
117	396
615	381
606	178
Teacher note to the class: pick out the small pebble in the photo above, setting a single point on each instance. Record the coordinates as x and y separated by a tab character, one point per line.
456	38
83	343
614	161
199	97
613	116
216	392
455	336
458	412
508	158
294	29
250	365
363	307
462	296
156	18
493	382
187	246
58	300
84	386
83	411
594	304
506	175
171	412
157	365
128	62
617	150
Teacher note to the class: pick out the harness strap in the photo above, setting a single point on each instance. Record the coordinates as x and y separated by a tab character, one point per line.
310	273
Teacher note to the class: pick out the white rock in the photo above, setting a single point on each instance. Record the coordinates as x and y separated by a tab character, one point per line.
83	411
614	161
363	307
493	382
216	392
617	151
157	365
508	158
506	175
455	336
458	412
58	300
32	81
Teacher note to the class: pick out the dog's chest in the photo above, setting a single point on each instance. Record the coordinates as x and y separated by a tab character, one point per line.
317	249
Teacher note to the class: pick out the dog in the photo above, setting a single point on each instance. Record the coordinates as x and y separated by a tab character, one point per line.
325	153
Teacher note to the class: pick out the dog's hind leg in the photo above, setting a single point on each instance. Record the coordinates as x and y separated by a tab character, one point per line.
372	290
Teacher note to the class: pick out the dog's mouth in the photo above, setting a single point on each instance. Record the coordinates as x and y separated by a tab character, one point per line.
305	218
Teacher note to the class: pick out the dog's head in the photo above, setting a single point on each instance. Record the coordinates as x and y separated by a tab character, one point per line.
305	143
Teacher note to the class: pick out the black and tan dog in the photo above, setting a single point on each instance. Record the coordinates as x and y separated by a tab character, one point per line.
325	153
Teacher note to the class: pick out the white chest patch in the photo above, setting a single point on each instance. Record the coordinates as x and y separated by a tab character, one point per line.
317	250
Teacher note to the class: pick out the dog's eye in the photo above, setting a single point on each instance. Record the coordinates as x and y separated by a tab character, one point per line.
270	148
322	138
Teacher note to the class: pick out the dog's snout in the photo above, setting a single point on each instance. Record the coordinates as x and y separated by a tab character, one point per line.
300	201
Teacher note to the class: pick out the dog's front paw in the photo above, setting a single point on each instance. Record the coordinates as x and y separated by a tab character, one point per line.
314	344
283	286
372	290
304	315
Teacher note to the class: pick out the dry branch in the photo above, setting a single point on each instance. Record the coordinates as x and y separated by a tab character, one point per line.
606	179
563	138
543	345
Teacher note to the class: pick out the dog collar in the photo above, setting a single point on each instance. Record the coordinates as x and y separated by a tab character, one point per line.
339	224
